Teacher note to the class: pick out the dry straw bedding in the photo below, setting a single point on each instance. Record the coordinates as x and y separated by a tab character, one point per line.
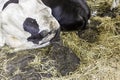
98	48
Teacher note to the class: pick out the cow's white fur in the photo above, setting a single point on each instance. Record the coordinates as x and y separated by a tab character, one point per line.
2	40
11	24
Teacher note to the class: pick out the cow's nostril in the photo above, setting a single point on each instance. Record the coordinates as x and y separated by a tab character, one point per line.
44	33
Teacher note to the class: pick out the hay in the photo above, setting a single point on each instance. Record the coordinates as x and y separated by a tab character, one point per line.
100	60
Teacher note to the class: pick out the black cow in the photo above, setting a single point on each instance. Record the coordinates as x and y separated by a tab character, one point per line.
71	14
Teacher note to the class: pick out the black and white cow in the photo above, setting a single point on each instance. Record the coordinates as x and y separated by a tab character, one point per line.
71	14
26	24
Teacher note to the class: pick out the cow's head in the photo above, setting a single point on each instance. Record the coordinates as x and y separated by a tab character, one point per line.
71	14
28	24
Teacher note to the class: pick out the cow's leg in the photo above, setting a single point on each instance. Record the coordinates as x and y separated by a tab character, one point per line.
115	4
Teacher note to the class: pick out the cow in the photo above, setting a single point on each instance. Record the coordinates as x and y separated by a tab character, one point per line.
71	14
27	24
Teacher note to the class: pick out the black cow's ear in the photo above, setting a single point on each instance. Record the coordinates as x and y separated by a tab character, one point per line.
8	2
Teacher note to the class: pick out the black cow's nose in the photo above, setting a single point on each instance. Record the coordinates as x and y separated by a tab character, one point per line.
44	33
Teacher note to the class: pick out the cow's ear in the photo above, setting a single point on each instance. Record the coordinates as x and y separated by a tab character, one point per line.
8	2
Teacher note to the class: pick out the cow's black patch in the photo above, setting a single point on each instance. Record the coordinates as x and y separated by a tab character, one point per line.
8	2
30	25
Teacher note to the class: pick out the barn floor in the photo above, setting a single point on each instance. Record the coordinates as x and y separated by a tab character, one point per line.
93	54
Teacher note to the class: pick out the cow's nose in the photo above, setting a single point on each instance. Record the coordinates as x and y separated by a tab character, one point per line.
44	33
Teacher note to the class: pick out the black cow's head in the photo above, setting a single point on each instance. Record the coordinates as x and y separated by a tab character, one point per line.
71	14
